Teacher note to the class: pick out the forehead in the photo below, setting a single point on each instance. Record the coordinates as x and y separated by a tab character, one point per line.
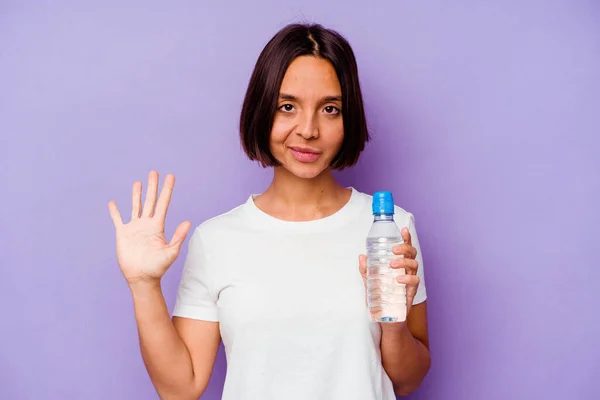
308	76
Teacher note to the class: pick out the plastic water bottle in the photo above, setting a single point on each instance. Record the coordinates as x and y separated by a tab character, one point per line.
386	297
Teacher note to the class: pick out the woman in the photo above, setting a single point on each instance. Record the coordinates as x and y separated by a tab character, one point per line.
276	278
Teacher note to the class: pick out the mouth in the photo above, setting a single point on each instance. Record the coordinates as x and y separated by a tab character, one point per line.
305	154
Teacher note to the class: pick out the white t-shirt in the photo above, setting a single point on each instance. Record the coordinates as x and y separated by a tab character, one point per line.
290	302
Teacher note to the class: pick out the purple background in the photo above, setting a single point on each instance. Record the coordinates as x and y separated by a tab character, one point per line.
486	123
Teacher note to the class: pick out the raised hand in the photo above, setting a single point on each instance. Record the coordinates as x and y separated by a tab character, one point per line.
143	252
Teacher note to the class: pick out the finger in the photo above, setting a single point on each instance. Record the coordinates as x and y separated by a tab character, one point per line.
406	236
411	282
406	250
180	234
408	264
115	214
165	197
136	200
151	193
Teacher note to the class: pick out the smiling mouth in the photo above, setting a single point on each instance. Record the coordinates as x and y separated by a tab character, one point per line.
305	155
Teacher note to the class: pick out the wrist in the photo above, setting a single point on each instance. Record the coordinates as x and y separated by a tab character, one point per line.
144	286
394	328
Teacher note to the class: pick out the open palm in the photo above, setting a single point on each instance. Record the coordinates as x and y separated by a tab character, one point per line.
143	252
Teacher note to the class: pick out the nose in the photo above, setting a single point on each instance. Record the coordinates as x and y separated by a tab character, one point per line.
308	126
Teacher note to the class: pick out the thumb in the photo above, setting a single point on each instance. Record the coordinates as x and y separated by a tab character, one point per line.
180	234
362	265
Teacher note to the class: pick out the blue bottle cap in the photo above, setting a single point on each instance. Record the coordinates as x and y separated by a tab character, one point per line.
383	203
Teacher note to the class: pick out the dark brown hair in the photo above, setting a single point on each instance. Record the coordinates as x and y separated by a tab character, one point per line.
261	98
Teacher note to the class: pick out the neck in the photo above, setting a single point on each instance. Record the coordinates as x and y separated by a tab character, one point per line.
293	190
292	198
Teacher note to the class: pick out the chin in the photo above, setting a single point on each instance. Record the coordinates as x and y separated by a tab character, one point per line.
305	171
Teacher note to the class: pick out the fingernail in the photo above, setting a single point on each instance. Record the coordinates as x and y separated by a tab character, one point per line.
395	263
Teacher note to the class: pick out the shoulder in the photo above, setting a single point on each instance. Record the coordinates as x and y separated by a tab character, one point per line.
222	224
403	217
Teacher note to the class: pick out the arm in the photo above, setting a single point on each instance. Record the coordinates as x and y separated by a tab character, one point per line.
179	355
405	350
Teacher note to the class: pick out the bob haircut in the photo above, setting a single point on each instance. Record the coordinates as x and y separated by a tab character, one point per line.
260	102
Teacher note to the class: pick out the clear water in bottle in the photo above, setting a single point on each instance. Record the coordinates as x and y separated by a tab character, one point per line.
386	297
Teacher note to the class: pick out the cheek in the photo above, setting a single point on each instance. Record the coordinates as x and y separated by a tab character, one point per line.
279	133
335	135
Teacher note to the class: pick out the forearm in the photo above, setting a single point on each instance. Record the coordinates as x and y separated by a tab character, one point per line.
164	353
405	359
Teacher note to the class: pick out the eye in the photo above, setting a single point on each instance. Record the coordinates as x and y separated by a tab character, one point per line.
331	110
286	108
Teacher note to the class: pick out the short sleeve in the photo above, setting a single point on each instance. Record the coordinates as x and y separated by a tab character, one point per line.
195	295
421	295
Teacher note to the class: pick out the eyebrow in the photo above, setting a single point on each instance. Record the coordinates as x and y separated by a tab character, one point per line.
285	96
